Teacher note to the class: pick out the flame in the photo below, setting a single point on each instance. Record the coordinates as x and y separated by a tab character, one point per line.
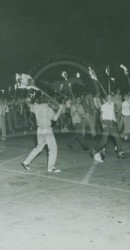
23	81
65	75
61	86
92	73
124	68
78	75
113	79
108	70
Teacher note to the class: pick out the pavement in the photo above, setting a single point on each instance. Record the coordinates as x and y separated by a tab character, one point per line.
86	206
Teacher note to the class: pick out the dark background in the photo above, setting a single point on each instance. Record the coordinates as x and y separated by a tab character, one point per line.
30	30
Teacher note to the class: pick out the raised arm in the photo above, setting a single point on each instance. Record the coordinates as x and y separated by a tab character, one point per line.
57	114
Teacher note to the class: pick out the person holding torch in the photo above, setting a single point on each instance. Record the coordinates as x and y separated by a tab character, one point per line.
44	115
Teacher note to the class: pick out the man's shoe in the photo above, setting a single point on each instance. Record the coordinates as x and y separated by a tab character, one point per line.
26	166
97	157
92	153
54	170
121	156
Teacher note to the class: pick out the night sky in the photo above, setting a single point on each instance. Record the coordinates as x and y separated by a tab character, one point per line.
30	30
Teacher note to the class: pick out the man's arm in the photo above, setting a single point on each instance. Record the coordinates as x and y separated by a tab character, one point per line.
29	104
56	116
28	101
101	119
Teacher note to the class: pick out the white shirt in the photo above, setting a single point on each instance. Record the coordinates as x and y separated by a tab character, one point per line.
44	114
108	112
126	108
77	112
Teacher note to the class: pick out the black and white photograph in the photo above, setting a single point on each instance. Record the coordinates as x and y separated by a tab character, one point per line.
64	125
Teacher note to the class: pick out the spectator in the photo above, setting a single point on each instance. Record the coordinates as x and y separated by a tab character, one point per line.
90	115
108	120
77	114
126	116
2	121
97	104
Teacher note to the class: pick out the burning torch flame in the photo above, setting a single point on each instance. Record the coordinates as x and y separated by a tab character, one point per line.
65	75
78	75
113	79
124	68
108	70
92	74
32	95
61	86
17	77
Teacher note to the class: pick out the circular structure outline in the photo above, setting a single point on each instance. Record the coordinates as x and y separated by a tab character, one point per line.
56	60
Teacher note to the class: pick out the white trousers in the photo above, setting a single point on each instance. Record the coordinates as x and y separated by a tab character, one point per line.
45	137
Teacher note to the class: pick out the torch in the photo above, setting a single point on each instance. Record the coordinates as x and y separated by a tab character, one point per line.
126	72
109	81
65	76
25	81
93	76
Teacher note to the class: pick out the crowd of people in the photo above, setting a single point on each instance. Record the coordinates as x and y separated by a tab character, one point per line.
80	115
15	115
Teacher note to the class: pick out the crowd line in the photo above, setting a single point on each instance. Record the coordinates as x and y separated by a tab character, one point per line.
81	113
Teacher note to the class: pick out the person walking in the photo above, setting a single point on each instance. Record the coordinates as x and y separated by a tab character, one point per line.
44	115
109	125
126	116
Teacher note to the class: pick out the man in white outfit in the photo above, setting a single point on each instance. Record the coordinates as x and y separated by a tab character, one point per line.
44	115
109	125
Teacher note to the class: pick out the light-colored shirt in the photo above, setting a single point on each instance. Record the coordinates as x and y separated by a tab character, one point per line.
68	104
2	110
44	114
126	108
77	113
6	108
63	109
108	112
97	102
